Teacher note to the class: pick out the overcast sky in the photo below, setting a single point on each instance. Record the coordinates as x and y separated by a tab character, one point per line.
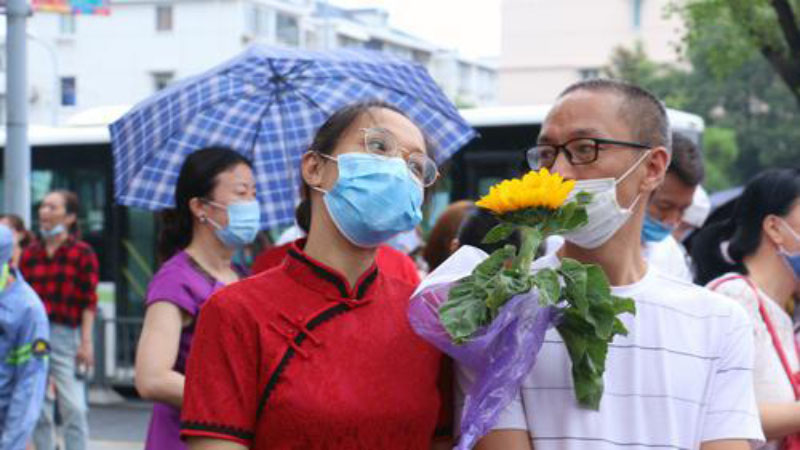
471	26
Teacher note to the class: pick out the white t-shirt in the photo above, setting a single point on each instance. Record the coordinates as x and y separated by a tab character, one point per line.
669	257
682	376
770	380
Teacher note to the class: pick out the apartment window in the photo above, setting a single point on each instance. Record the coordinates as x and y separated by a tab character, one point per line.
258	20
347	42
637	14
162	79
164	18
590	73
68	91
287	30
66	24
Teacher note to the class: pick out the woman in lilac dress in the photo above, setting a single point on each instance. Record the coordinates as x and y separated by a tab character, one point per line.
215	214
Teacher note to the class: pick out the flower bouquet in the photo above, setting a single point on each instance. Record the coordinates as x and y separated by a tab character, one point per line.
490	312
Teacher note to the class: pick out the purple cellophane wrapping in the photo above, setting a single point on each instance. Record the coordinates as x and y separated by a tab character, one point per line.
500	355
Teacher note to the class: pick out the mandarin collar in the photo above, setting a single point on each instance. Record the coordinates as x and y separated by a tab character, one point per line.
325	279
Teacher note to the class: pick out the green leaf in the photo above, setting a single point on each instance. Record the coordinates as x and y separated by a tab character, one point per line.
575	283
596	282
602	316
623	305
463	313
577	219
494	263
498	233
588	386
546	280
583	198
575	342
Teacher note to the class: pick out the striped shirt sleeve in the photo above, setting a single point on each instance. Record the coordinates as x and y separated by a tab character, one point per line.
732	412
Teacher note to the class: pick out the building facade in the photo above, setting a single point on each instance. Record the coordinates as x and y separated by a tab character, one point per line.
79	62
546	45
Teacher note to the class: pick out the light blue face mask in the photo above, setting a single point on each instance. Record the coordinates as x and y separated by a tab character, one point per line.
374	198
244	221
792	259
53	232
655	230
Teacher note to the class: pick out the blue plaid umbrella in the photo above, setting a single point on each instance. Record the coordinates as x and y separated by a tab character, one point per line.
267	103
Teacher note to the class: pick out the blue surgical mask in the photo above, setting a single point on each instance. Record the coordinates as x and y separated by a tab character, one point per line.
374	198
53	232
655	230
792	259
244	221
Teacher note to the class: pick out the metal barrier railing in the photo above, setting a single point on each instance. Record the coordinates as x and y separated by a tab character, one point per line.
115	349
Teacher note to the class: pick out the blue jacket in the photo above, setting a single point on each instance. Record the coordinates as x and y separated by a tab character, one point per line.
24	348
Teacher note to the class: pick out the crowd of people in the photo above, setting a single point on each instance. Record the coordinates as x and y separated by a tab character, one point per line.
307	344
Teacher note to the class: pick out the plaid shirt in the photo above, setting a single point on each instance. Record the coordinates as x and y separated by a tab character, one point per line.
66	282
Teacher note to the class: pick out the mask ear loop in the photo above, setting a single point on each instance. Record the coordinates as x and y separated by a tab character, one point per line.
625	175
794	235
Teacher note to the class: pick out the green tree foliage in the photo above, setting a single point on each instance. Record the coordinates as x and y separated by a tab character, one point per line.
748	99
721	152
734	31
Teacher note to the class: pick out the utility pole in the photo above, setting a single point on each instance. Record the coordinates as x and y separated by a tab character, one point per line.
17	153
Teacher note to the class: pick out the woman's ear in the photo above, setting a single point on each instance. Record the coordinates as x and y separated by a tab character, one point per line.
771	227
311	169
196	207
656	169
455	244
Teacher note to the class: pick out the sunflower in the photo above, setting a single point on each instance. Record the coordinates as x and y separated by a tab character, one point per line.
534	190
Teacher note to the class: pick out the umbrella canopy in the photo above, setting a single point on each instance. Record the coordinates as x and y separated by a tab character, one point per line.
267	103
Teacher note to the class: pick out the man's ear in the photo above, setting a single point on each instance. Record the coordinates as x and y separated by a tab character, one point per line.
311	169
656	169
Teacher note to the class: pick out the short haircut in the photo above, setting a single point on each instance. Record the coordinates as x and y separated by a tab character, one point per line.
687	162
643	111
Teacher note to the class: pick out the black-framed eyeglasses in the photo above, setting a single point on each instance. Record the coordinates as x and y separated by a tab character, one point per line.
578	151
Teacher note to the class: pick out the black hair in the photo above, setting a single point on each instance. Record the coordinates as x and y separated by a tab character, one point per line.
645	113
18	225
474	229
325	141
197	178
722	246
687	162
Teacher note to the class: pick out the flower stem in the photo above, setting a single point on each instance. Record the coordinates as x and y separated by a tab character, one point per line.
531	238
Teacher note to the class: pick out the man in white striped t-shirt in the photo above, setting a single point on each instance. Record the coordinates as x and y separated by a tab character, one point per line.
682	378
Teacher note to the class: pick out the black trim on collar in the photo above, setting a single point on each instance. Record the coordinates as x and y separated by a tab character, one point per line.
216	428
290	352
334	278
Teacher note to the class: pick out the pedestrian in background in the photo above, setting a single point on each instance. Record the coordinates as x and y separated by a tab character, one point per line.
666	208
63	270
759	248
24	347
318	352
22	237
216	213
441	240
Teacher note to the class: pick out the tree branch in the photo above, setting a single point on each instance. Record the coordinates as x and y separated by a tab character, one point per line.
789	25
788	69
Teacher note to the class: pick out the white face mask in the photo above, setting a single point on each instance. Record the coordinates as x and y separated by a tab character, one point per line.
605	214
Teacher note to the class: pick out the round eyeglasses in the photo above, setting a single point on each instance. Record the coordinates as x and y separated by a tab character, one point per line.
380	141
